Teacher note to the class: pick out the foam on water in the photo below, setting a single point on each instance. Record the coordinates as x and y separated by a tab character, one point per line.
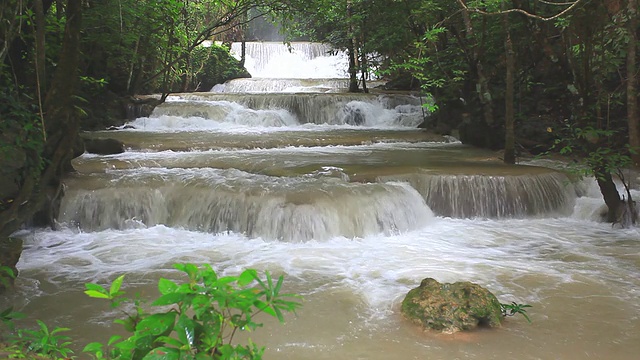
502	255
179	114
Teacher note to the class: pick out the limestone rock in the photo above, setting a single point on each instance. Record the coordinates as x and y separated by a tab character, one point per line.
451	307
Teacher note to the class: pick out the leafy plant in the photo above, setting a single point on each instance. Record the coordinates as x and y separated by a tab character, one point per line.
44	341
5	272
41	341
515	308
204	315
7	317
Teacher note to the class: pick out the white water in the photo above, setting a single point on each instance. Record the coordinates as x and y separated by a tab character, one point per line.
301	60
344	211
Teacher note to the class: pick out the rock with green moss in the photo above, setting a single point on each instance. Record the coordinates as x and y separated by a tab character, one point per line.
451	308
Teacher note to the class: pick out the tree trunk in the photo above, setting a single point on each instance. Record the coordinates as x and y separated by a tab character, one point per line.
609	192
62	126
40	46
353	71
363	72
482	83
243	52
509	146
632	81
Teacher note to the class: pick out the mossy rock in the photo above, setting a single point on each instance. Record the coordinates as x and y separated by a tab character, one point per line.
450	308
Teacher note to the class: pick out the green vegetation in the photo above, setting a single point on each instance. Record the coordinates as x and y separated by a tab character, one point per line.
198	320
503	72
515	308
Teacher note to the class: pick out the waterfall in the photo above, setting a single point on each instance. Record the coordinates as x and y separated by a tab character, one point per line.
296	60
285	110
495	196
211	200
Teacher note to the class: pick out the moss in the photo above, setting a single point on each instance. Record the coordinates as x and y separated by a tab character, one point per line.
451	307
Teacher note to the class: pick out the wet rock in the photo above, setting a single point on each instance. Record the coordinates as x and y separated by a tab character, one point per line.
450	308
103	146
141	107
10	250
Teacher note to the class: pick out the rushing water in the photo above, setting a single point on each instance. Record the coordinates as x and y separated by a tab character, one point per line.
346	198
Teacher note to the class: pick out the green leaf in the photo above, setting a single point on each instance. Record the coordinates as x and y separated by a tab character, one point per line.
113	339
157	324
93	347
185	328
115	286
163	353
96	294
263	306
166	286
95	287
168	299
247	277
226	280
168	340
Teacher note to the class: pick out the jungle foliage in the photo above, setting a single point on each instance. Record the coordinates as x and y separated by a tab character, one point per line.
504	74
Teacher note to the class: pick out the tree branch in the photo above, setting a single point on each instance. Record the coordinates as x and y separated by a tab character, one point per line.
572	5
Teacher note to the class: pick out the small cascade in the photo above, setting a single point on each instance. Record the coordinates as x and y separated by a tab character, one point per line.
218	201
182	115
332	109
296	60
262	85
494	196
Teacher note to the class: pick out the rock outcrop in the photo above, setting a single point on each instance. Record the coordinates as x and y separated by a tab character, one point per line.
451	308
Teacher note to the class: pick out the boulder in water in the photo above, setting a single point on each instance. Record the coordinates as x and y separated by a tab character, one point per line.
451	307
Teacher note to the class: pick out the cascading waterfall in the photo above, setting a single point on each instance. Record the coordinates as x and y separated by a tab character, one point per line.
495	196
258	206
284	109
297	60
354	205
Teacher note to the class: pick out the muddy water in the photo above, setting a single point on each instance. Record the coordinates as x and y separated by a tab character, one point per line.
581	278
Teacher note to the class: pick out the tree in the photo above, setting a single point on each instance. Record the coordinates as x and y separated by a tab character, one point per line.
61	128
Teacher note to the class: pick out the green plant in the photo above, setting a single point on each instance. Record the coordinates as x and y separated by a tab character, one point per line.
5	272
7	317
204	315
44	341
515	308
28	342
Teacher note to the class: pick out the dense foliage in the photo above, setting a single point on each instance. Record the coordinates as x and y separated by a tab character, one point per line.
507	75
70	64
196	319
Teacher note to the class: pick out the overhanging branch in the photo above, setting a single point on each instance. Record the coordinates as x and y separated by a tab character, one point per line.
572	5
